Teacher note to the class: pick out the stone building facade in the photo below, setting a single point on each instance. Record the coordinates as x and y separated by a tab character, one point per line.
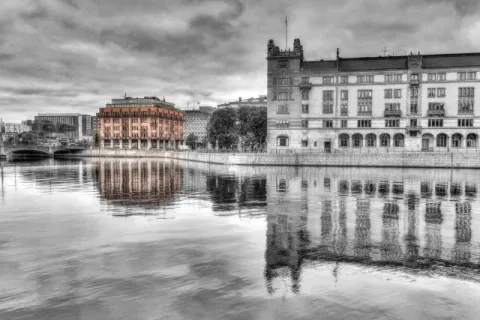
141	123
196	122
393	103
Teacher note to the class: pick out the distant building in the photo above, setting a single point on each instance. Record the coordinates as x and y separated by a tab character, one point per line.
261	101
196	122
81	122
411	102
141	123
11	129
96	124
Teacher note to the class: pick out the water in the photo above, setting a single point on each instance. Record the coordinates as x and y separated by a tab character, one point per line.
161	239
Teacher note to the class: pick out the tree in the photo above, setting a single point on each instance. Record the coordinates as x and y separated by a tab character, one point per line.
222	127
96	140
252	122
191	141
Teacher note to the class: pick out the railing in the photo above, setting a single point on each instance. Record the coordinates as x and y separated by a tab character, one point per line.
305	86
414	82
393	113
435	113
364	113
413	128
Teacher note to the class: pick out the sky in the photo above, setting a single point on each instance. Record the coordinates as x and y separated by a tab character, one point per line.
76	55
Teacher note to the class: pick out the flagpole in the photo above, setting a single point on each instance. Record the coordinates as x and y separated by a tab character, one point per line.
286	33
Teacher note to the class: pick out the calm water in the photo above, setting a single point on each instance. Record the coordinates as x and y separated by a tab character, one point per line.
161	239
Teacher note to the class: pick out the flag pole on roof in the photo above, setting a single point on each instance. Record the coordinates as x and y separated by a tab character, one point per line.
286	33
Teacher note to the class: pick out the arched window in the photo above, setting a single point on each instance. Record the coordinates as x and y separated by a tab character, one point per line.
371	140
398	140
282	141
471	140
442	140
357	140
456	140
344	140
385	140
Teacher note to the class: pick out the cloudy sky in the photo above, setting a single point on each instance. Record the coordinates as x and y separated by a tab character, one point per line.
75	55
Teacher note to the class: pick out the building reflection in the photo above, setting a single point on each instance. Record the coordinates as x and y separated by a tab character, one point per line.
138	183
385	218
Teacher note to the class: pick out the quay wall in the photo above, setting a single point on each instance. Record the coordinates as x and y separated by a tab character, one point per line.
394	159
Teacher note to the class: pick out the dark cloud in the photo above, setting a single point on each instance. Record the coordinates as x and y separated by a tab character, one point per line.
58	54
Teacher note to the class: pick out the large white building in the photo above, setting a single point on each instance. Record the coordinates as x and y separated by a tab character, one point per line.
82	122
12	129
392	103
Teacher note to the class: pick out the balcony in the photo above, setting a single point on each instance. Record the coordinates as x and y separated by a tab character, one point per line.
413	128
305	86
364	113
343	112
436	113
414	82
393	113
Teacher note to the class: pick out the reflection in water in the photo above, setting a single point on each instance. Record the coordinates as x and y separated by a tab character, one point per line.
369	218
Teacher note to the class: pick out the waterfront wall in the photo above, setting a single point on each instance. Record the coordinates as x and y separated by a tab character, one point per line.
397	159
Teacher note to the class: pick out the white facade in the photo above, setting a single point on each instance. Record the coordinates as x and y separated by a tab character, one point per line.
415	103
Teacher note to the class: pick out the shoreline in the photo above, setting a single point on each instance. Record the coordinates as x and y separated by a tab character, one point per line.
392	159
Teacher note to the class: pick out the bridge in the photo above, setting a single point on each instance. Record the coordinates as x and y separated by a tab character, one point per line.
36	150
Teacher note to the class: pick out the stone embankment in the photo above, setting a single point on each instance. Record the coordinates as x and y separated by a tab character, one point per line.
363	159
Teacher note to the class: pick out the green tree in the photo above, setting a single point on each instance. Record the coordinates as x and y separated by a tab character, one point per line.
222	127
191	141
96	140
252	123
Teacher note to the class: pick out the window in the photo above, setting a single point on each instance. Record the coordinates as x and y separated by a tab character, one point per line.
344	109
304	123
305	143
456	140
282	109
282	141
364	123
465	122
385	140
413	122
471	76
398	140
462	76
432	76
344	79
282	96
441	92
305	80
328	95
357	140
388	93
344	123
304	95
414	76
392	106
364	94
328	123
441	76
327	80
431	92
344	95
465	107
442	140
369	79
274	81
371	140
360	79
285	81
398	78
344	140
435	106
466	92
389	78
414	93
435	122
304	108
397	93
471	140
283	64
392	123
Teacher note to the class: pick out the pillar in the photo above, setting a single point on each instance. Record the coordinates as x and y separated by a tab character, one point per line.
129	143
139	144
149	144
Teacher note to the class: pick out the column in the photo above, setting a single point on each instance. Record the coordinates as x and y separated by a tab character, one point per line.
129	143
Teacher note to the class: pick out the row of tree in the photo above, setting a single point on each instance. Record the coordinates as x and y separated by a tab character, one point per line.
244	128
